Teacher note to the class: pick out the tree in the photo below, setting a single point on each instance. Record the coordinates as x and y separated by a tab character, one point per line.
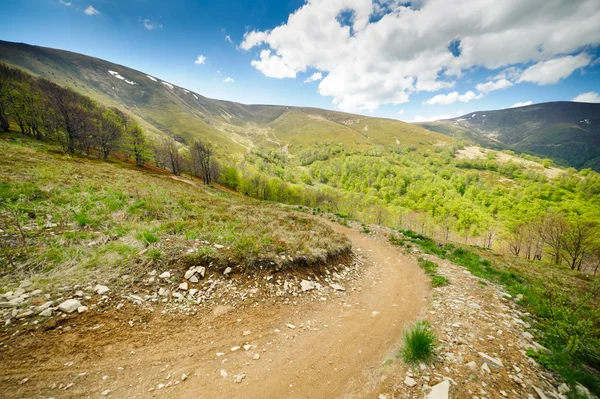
202	160
71	112
167	154
136	144
109	134
577	240
552	231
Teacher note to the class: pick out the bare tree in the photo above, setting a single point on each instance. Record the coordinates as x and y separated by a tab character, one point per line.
552	231
109	133
577	241
168	154
202	160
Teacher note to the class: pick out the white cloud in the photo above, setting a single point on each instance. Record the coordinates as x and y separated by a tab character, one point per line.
493	85
551	71
589	97
523	104
394	48
314	77
228	80
65	3
400	112
151	25
91	11
451	98
273	66
228	39
200	60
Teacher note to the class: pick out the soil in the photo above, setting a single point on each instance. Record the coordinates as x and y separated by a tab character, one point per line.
310	347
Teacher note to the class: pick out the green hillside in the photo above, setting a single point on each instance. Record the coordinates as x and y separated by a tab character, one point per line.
165	108
567	132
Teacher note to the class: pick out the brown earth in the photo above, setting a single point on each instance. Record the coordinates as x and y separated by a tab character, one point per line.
335	349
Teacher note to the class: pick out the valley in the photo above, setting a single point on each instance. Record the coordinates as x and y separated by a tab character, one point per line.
158	243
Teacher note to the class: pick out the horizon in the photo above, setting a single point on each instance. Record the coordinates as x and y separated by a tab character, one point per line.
268	55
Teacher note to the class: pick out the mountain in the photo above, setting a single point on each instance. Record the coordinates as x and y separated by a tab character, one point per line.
164	108
567	132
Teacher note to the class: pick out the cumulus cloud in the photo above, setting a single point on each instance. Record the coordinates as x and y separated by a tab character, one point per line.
551	71
200	60
91	11
228	80
228	39
273	66
451	98
523	104
65	3
151	25
314	77
390	49
492	85
589	97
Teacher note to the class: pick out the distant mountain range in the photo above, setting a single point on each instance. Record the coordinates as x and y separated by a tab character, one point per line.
567	132
164	108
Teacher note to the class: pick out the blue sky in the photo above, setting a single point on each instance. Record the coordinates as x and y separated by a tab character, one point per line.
419	60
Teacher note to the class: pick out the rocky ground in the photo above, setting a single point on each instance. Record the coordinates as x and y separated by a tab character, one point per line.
331	332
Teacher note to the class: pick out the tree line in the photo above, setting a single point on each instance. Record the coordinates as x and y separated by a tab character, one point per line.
47	111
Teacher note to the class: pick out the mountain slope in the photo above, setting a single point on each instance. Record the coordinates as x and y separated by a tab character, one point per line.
567	132
165	108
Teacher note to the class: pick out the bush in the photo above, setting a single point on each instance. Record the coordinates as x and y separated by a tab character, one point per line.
419	344
438	281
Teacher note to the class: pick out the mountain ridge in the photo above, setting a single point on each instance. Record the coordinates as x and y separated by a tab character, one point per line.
165	108
565	131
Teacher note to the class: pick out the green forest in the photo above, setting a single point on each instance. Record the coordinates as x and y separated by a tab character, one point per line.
505	205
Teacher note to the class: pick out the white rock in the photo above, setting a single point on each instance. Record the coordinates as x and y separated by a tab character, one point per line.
439	391
291	326
527	335
472	366
224	373
163	291
563	388
101	289
183	286
43	307
227	271
539	392
307	285
189	274
69	306
238	378
410	382
160	386
235	348
24	314
219	246
337	287
247	347
46	313
184	377
194	279
486	368
201	270
493	360
105	393
25	284
165	275
82	309
193	291
256	356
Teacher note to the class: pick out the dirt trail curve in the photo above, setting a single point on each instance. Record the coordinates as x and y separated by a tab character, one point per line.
335	349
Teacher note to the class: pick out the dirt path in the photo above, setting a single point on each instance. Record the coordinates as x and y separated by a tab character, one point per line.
335	349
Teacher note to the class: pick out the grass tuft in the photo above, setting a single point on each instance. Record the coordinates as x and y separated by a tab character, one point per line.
420	343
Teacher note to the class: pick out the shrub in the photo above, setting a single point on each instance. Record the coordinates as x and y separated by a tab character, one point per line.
420	343
438	281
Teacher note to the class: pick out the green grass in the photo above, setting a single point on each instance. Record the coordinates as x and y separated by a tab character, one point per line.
439	281
420	343
564	304
70	217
